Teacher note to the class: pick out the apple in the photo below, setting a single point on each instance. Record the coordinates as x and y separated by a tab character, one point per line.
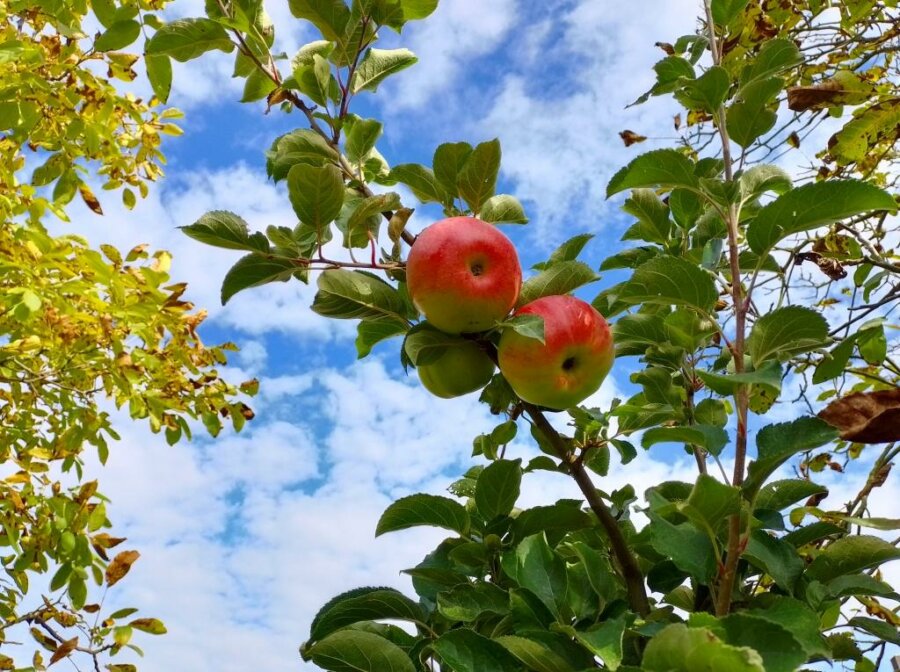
463	275
569	365
463	367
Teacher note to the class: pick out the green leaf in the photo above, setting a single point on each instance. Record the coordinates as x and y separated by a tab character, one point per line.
420	180
860	584
498	488
653	225
530	326
414	10
777	443
747	122
568	251
560	278
373	331
857	138
503	208
300	146
563	516
767	375
449	159
670	281
763	178
379	64
187	39
77	591
478	177
813	205
364	605
775	56
362	134
464	650
366	218
780	651
159	72
785	332
540	570
426	345
711	502
347	294
681	649
724	11
795	617
775	557
329	16
317	193
359	651
779	495
152	626
605	641
220	228
534	655
256	87
254	270
118	36
713	439
885	632
872	343
422	509
468	602
686	546
849	555
707	92
634	333
659	168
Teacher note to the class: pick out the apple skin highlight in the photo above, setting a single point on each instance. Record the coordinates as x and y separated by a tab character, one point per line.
463	274
570	365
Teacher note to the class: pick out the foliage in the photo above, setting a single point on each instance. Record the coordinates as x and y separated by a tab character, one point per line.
714	311
81	329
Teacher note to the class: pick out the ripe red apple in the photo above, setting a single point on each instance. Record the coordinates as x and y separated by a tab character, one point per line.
463	275
569	366
463	368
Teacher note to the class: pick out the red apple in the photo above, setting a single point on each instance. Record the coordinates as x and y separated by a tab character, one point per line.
463	275
464	367
569	365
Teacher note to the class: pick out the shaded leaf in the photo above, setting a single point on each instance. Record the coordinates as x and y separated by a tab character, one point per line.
422	509
359	651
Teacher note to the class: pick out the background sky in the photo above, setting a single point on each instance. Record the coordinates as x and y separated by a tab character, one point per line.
243	538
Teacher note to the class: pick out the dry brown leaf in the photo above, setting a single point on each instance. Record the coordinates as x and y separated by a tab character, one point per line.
666	47
677	121
630	137
120	565
89	198
866	417
63	650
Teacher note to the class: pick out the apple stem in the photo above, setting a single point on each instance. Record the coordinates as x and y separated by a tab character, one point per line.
740	306
631	572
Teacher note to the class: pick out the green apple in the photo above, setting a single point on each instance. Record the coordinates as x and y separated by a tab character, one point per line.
463	275
462	368
569	365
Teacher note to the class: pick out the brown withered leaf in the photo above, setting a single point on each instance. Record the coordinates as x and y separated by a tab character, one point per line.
89	198
817	96
794	140
630	137
279	95
91	608
830	267
120	565
677	121
63	650
666	47
866	417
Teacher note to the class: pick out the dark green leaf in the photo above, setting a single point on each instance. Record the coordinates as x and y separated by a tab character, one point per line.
347	294
653	225
359	651
159	72
687	547
478	177
300	146
254	270
118	36
795	617
605	641
707	92
561	278
775	56
860	584
785	332
420	180
465	650
659	168
723	11
885	632
449	159
187	39
362	134
316	192
813	205
533	655
671	281
872	343
775	557
780	651
540	570
565	515
779	495
372	331
711	502
467	602
769	375
373	604
220	228
498	488
422	509
777	443
834	362
709	437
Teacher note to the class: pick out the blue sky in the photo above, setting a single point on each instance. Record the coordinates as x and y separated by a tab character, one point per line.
243	538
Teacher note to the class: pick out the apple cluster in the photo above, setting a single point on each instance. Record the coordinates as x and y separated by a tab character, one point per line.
464	276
